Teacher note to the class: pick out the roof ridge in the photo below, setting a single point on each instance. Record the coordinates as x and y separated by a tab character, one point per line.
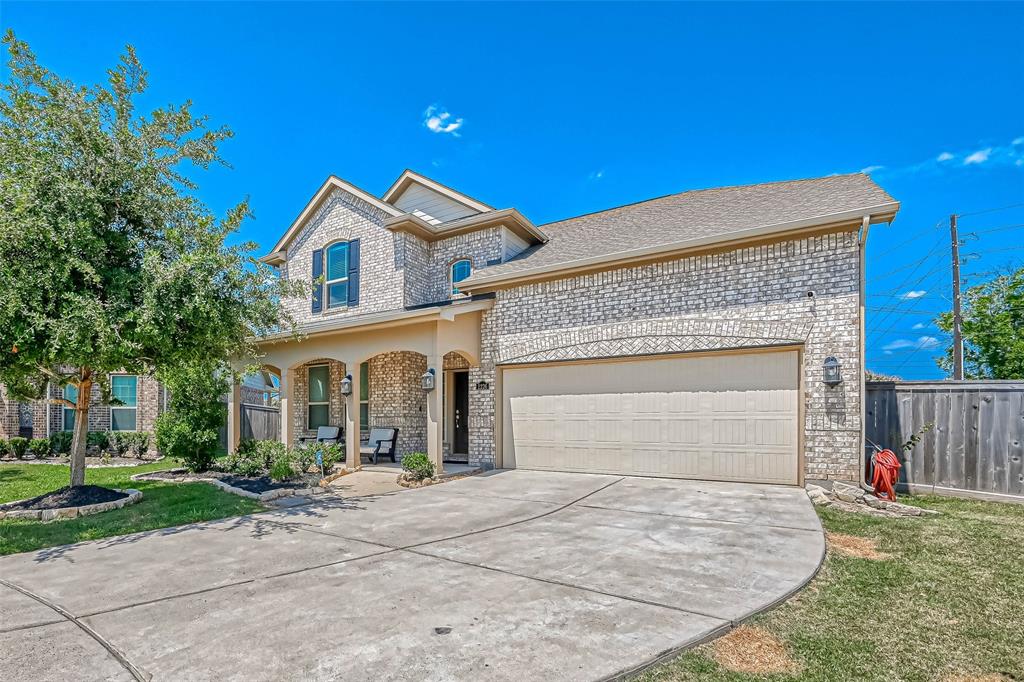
705	190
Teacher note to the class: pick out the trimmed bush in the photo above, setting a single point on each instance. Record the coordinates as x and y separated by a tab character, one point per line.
120	442
418	465
60	442
304	455
176	438
281	468
4	447
18	446
39	447
255	457
99	439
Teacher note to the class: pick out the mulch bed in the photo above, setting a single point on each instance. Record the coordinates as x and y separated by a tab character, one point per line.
67	497
256	485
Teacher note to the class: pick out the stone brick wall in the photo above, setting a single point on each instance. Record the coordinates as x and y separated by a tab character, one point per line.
759	288
9	415
430	280
344	217
300	413
397	400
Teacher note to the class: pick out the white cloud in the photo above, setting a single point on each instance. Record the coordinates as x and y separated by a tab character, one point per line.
438	120
919	325
871	169
980	156
944	156
898	344
927	342
1019	140
596	175
922	343
911	295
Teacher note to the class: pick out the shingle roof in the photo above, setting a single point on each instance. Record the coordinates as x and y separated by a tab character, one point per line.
696	214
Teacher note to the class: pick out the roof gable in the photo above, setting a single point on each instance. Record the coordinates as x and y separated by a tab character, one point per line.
423	189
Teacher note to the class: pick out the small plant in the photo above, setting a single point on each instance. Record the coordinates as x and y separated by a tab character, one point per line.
18	446
120	442
197	448
281	468
915	438
304	455
60	442
98	439
39	447
106	458
418	466
255	458
140	443
4	447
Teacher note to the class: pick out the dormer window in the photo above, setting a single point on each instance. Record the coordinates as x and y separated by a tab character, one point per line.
461	269
336	278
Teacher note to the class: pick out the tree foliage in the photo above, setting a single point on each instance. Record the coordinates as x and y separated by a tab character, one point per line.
108	259
992	327
189	430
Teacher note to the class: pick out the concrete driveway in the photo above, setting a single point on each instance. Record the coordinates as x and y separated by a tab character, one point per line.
510	575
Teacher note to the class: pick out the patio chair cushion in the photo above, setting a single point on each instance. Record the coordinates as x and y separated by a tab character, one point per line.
326	433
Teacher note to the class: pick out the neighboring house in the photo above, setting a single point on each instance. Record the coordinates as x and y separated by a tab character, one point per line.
142	398
684	336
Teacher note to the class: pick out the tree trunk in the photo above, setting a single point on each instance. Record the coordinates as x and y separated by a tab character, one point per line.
80	437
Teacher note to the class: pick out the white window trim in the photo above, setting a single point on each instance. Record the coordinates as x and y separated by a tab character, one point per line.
310	403
339	280
452	288
125	407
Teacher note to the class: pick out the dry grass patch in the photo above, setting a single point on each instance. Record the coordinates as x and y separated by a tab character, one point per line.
753	650
990	677
851	545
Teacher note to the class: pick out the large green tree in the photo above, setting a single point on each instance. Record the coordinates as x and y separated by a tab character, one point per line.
992	327
108	259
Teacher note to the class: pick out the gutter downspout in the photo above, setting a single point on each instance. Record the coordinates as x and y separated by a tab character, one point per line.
862	243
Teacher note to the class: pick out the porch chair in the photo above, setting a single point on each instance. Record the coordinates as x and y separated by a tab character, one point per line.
325	434
381	442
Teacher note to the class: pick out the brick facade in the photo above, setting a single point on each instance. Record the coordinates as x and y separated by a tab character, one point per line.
748	297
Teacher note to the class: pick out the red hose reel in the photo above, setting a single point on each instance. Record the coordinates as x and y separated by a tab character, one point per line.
885	471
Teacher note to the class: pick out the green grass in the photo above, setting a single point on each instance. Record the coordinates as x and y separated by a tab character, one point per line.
949	603
162	505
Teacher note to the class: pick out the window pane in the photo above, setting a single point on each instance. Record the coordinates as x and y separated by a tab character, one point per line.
318	380
337	294
124	388
337	261
364	381
460	271
71	393
364	417
319	415
69	419
122	419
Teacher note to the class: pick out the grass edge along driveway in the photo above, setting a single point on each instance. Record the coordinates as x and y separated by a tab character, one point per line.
163	505
944	603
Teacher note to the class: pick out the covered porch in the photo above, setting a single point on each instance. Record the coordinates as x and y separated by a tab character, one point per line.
374	372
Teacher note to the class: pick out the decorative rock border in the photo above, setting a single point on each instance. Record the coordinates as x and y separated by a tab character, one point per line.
406	480
74	512
56	461
855	499
261	497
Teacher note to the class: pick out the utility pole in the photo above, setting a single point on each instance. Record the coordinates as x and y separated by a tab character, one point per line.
958	341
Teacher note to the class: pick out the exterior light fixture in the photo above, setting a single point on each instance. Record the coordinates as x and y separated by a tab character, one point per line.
346	385
428	380
832	371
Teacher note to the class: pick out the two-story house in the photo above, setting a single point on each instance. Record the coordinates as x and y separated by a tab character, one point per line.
710	334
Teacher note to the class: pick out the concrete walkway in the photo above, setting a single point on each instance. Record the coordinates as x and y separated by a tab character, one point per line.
508	576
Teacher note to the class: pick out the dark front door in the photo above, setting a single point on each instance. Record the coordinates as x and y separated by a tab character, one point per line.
460	435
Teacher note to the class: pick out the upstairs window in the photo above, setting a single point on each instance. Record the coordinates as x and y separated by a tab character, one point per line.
461	269
336	277
124	415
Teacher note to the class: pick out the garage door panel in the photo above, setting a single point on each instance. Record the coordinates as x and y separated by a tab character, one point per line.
727	417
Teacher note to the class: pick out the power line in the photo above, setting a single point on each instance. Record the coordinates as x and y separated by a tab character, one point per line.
990	210
912	239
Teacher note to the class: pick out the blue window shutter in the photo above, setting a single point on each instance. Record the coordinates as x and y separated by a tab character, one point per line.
353	272
318	285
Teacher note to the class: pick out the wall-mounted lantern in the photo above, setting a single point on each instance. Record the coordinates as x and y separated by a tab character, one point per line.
346	385
832	371
428	380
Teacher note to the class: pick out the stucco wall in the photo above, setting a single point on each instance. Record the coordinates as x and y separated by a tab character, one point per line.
766	283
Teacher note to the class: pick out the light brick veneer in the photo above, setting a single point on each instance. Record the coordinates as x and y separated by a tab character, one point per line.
300	402
751	295
397	400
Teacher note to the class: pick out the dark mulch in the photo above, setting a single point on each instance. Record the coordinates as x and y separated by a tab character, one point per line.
67	497
252	484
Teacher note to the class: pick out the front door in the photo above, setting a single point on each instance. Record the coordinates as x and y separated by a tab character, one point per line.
460	423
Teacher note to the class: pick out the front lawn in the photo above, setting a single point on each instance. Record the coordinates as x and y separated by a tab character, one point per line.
162	505
947	605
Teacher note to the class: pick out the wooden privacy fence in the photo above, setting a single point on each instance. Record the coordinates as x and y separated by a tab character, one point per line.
976	443
258	423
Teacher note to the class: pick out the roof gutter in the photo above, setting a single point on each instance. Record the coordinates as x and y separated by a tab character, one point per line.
482	281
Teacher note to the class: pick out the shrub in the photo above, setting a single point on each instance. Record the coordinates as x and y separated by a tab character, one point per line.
139	443
120	442
40	447
304	455
100	439
418	465
255	458
281	468
18	446
4	448
175	438
60	442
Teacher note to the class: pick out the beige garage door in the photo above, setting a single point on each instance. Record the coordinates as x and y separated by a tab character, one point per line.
727	417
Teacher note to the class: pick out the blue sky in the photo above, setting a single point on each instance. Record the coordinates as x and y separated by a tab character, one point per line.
570	108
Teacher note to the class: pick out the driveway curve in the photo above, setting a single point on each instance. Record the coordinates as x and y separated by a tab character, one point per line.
507	575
